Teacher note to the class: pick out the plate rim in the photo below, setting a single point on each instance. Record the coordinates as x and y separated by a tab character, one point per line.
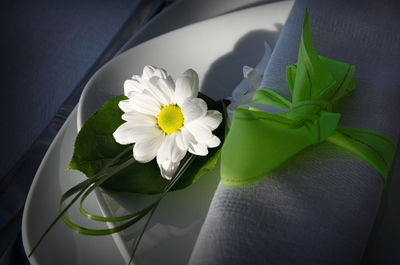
61	134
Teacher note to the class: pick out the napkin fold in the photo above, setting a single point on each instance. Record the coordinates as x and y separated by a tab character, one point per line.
319	207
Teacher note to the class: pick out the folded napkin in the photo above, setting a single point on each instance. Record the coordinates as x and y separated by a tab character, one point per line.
319	207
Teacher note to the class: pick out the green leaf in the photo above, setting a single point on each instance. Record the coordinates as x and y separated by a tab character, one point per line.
95	146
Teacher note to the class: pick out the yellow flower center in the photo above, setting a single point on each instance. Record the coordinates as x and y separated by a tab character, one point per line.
170	119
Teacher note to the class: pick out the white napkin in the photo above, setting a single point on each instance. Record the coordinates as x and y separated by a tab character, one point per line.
319	207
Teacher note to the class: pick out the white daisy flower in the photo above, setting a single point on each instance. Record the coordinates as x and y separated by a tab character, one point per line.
166	119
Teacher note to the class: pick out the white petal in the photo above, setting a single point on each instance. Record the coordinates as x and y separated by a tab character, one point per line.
139	118
167	168
193	109
146	133
162	95
160	73
169	156
129	133
145	104
186	86
147	150
212	119
151	71
169	150
148	71
125	106
146	99
182	140
214	141
137	78
170	83
200	132
168	87
199	149
132	85
123	134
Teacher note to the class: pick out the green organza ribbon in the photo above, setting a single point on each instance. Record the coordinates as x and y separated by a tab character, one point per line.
258	142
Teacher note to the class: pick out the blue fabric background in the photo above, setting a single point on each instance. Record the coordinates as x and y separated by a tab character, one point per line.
46	48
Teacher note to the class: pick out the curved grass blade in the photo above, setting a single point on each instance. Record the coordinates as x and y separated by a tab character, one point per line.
139	238
86	187
179	173
131	215
73	191
80	189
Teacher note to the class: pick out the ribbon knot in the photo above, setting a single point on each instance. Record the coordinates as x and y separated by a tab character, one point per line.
266	140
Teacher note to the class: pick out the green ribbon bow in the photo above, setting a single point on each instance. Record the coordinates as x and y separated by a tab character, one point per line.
258	142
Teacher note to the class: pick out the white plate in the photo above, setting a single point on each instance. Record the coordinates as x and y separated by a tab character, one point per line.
217	49
61	246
